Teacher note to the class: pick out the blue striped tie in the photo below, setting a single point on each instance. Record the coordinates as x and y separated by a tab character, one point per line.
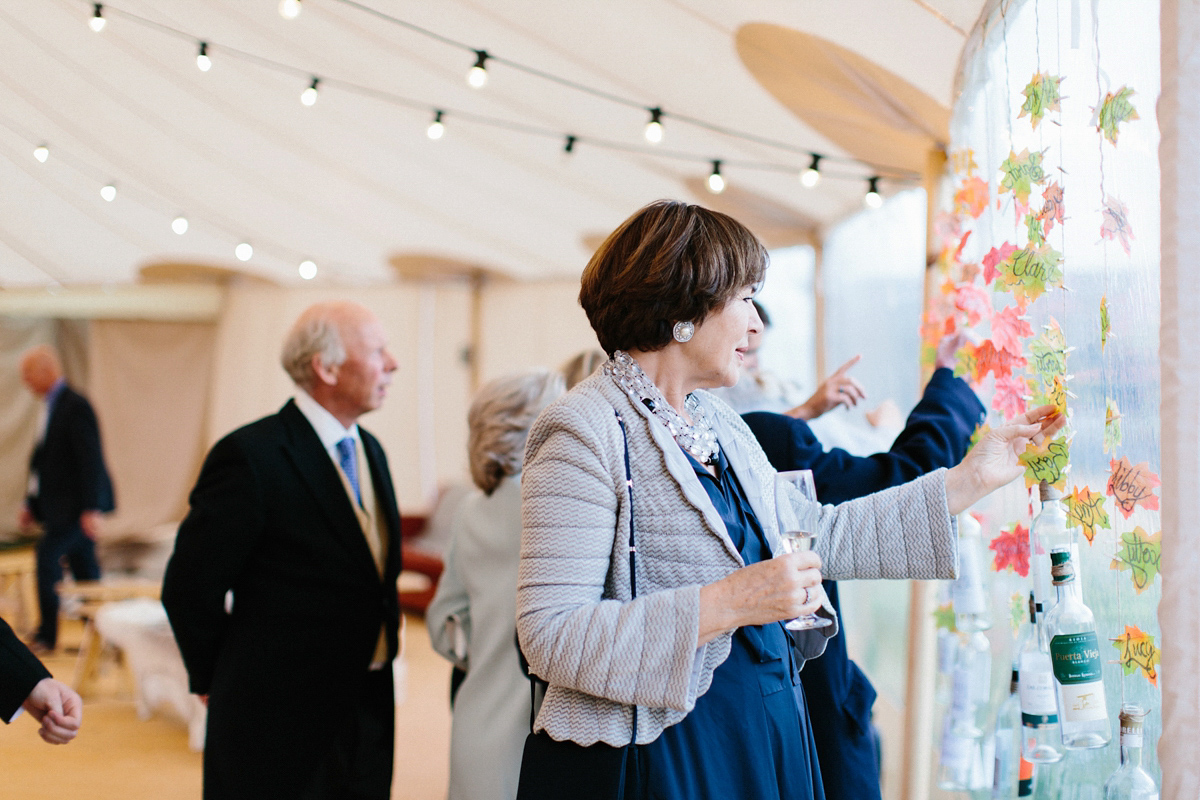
349	463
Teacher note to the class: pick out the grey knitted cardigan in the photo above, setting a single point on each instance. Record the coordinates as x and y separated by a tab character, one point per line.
602	651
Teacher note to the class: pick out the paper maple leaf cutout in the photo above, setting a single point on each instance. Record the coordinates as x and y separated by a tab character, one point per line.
1009	397
1141	554
972	198
1116	222
1049	351
1030	271
1138	652
1017	610
943	617
1021	172
974	302
1011	547
1085	509
1053	394
1131	486
1033	229
1047	463
1114	109
1105	324
963	161
970	272
1052	207
994	257
1112	426
1000	363
1041	95
1009	326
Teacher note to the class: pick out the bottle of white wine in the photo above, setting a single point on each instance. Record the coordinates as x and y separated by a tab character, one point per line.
1047	533
1013	776
1130	781
1075	659
968	593
1041	742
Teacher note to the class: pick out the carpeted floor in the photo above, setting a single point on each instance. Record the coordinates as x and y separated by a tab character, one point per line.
120	757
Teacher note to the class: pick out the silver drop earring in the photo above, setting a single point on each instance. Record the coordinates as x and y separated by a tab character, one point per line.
683	331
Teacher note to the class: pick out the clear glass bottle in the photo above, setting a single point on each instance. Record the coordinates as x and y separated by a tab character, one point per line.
968	593
954	756
1130	781
1075	659
970	688
1041	742
1048	532
1013	775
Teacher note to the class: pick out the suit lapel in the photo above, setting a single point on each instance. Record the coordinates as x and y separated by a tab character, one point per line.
385	498
303	448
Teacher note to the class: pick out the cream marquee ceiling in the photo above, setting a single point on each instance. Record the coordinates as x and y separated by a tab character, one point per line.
354	184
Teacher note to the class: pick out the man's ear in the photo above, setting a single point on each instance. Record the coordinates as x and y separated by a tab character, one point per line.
325	374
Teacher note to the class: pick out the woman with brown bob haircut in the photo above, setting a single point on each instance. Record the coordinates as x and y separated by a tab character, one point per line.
653	585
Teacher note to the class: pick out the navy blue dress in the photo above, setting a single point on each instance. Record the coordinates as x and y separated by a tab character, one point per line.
749	734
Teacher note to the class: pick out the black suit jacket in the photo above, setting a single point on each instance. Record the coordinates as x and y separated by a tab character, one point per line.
20	671
271	521
839	695
69	462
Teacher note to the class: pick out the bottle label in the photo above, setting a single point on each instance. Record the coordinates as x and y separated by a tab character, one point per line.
956	750
1025	779
1075	658
967	590
1083	702
1131	739
1037	691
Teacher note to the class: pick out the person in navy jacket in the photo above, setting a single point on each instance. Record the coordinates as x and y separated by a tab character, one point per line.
26	685
840	696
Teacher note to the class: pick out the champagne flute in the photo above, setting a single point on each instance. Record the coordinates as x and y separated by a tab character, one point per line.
796	509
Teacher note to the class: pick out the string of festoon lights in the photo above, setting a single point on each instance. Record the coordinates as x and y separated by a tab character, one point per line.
810	175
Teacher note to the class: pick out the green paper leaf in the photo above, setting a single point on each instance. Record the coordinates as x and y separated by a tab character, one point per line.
943	617
1114	109
1049	350
1140	553
1021	172
1041	95
1105	323
1030	271
1112	427
1085	509
1138	652
1047	463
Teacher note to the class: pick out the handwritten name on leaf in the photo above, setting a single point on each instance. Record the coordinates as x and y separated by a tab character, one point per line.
1114	109
1131	486
1030	271
1041	95
1138	652
1115	224
1085	509
1141	554
1047	463
1022	171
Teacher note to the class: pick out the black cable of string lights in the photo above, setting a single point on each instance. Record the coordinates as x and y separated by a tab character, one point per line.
571	141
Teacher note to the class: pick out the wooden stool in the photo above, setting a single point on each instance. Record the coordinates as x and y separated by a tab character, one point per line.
91	595
18	582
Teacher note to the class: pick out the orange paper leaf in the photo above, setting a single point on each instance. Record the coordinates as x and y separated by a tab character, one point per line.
1132	485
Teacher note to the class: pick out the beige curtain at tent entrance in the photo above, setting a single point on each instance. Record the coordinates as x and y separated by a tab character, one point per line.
1179	610
150	386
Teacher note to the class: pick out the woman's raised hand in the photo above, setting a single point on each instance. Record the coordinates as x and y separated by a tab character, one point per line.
992	462
780	588
839	389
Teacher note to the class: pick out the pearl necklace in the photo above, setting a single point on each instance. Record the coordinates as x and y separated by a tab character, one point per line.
696	438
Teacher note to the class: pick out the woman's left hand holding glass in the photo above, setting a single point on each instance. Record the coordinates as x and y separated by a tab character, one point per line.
992	462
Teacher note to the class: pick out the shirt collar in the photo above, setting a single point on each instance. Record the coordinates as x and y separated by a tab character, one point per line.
55	391
328	429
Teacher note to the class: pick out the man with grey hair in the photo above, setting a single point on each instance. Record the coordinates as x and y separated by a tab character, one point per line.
282	587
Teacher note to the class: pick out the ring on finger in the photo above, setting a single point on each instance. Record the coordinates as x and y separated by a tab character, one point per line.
806	597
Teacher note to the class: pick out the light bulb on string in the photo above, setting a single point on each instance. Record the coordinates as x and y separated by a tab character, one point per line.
243	251
179	225
654	128
108	192
811	176
307	269
872	198
289	9
41	153
716	184
97	22
309	95
203	62
436	129
478	76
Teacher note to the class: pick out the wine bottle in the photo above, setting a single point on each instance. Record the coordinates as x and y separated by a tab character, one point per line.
968	593
1130	781
1075	659
1013	775
1041	742
1047	533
